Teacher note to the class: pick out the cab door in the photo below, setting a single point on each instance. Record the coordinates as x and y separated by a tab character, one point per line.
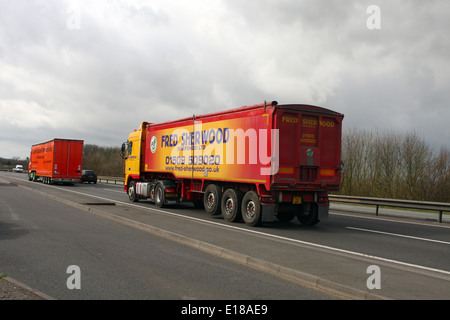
132	153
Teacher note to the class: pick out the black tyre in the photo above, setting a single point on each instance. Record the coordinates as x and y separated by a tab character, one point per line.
231	205
212	199
309	217
160	196
132	196
251	209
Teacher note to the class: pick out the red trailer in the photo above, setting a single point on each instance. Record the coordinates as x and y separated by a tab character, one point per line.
255	163
56	161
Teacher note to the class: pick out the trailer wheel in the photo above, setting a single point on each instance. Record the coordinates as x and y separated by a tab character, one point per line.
132	192
160	196
212	199
251	209
311	217
231	205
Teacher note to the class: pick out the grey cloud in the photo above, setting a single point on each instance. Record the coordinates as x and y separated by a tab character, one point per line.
165	60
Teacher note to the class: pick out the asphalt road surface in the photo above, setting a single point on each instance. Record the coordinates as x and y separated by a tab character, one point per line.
136	251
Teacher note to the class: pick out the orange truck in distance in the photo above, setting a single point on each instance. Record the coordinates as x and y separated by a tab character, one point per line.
56	161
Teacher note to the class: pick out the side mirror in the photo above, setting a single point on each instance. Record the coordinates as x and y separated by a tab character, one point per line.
123	151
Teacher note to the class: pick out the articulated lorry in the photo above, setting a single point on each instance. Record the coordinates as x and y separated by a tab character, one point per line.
56	161
257	163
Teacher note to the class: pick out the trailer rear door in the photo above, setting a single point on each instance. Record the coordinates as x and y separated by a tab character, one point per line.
310	146
68	159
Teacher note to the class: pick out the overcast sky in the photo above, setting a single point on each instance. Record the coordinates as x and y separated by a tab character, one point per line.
94	70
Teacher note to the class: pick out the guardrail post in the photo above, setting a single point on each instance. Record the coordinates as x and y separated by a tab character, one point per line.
440	216
376	213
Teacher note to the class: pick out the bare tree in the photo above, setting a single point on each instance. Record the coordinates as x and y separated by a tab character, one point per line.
416	159
393	165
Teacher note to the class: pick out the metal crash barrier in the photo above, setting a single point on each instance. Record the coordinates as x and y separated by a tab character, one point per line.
407	204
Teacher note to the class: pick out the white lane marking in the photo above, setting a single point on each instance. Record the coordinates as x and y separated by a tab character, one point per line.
399	235
269	235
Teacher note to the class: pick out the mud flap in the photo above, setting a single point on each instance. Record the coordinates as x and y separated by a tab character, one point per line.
268	212
323	211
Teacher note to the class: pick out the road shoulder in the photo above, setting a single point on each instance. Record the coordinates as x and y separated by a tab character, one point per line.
11	289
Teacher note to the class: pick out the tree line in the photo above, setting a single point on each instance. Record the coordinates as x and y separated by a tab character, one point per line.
8	164
106	161
394	165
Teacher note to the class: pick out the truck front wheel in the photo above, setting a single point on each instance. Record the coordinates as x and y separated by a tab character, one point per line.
251	209
160	196
132	192
151	192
